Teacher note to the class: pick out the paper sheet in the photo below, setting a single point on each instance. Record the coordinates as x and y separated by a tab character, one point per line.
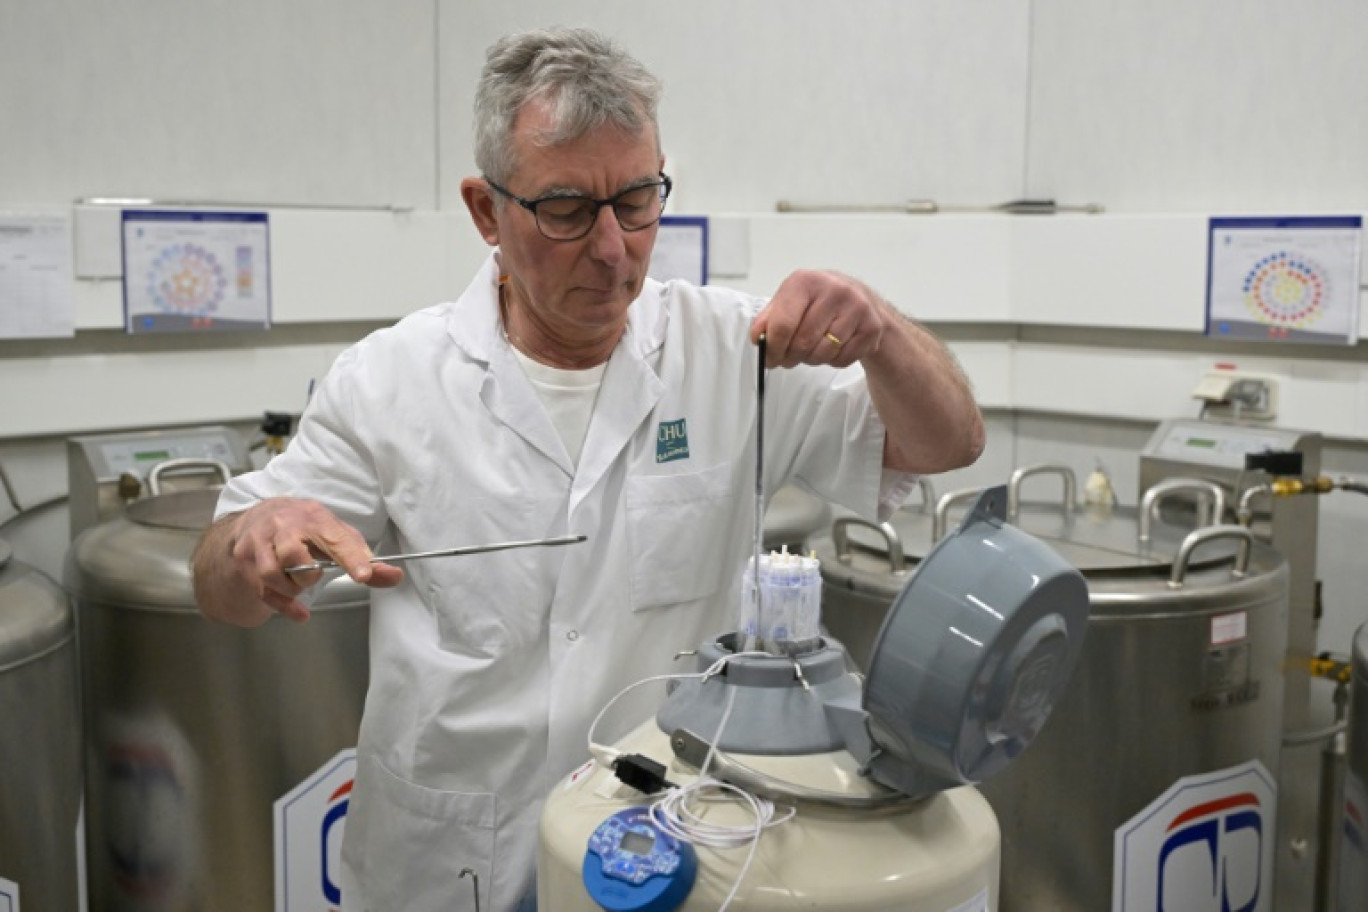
36	299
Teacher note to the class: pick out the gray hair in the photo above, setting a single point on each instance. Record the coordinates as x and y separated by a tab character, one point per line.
587	80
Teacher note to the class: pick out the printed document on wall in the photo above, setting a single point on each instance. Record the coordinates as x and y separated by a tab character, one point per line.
1293	279
188	271
681	249
36	299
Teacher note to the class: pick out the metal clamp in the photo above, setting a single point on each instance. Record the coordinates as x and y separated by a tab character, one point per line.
1020	475
694	751
1149	504
185	465
840	538
1199	537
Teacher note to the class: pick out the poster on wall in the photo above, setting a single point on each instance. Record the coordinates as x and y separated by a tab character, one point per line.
1293	279
681	249
186	271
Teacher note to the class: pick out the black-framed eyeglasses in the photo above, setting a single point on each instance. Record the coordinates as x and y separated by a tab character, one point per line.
568	217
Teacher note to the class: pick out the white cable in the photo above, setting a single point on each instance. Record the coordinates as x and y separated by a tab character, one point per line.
673	812
606	755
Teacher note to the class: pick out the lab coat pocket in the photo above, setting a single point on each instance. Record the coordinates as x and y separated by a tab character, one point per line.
682	530
415	841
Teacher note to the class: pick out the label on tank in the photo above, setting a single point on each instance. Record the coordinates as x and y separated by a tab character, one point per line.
1227	678
1229	628
1206	843
309	821
9	896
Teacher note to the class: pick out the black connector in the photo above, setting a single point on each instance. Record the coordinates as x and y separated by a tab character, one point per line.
641	773
277	424
1278	463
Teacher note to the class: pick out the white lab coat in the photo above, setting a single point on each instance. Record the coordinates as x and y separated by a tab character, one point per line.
486	671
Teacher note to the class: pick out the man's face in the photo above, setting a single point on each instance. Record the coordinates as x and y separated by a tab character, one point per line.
581	289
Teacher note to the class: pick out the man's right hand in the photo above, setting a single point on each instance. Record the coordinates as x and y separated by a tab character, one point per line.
239	564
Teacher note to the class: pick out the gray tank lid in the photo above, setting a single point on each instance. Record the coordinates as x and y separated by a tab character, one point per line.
974	654
35	617
977	649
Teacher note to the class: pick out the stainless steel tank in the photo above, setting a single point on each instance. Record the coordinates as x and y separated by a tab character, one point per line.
194	729
40	739
792	515
1353	854
1180	673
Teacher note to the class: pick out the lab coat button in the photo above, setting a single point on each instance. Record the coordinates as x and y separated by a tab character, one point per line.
572	635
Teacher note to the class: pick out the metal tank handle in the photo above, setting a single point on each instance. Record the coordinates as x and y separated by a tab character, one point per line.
1020	475
840	538
941	519
1199	537
184	465
928	493
1149	504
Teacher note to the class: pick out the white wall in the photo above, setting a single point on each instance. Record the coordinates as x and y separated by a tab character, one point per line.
1222	105
348	121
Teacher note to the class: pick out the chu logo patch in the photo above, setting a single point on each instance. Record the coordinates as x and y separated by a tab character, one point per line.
672	441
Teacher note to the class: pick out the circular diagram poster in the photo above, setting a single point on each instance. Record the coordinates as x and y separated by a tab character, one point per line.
1285	279
190	271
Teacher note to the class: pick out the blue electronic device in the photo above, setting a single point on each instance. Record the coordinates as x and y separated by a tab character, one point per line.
631	865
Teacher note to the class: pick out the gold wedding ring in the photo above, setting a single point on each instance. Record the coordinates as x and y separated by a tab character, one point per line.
834	341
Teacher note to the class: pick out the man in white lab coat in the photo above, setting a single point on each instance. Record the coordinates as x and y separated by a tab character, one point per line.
563	393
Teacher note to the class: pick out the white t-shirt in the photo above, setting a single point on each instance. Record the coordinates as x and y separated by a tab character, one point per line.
568	396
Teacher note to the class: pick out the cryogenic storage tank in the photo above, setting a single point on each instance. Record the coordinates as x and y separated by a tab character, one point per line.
195	729
869	775
1353	853
40	740
1180	679
936	854
792	515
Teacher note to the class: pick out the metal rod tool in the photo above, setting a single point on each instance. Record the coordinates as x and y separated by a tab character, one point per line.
759	530
325	563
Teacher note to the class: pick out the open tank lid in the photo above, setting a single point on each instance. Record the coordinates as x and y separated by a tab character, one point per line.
973	655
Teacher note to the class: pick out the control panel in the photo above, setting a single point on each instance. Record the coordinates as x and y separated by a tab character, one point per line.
106	471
